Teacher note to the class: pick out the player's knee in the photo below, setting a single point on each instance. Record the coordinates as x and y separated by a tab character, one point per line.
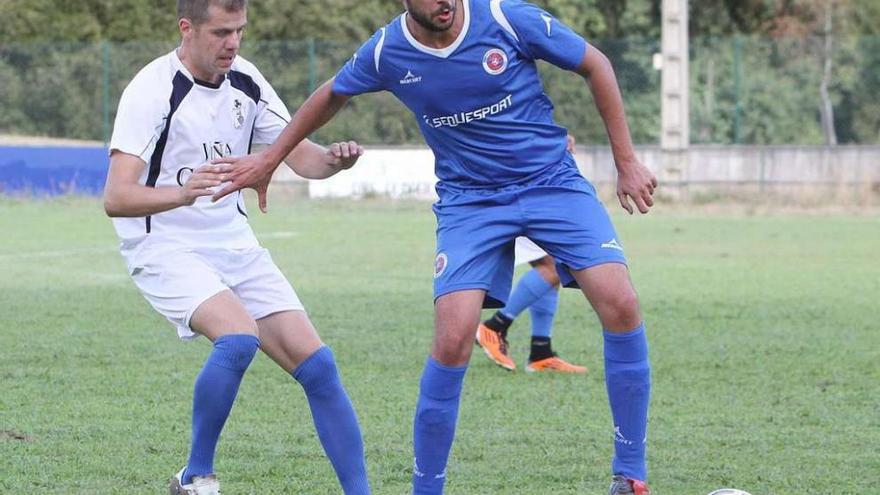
247	326
236	351
452	356
318	370
454	349
551	277
620	312
546	267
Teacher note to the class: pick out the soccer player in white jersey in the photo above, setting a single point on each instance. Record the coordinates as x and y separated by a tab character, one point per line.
467	70
198	263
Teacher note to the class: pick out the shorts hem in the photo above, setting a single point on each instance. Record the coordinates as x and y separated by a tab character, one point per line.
461	287
279	309
188	333
597	262
489	301
572	283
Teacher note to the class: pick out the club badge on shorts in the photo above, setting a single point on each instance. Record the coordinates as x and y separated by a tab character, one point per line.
237	114
495	61
440	263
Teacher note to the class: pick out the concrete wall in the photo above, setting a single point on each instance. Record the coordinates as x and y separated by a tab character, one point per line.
408	172
808	165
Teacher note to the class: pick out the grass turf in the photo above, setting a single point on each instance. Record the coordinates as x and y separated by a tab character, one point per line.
763	333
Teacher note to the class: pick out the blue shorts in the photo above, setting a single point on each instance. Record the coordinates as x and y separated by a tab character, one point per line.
477	229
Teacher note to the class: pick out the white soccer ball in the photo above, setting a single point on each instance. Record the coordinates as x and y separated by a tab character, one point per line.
729	491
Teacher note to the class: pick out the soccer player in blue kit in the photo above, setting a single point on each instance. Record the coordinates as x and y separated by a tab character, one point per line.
467	70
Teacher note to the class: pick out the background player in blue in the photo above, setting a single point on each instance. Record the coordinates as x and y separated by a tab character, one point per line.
537	290
466	69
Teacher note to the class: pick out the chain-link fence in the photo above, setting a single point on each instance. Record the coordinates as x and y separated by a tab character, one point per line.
761	91
743	90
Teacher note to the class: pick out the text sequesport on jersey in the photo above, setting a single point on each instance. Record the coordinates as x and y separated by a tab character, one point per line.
457	119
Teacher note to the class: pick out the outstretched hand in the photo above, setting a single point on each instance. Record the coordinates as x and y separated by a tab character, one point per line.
252	171
635	182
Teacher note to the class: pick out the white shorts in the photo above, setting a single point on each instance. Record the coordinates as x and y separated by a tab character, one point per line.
178	281
527	251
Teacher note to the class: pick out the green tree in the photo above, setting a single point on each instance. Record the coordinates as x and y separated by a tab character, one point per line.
768	90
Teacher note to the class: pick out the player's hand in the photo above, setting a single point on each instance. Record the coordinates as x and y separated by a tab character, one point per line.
344	155
201	182
253	171
635	182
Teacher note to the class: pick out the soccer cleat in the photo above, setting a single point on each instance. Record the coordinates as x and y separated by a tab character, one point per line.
201	485
625	486
495	346
554	364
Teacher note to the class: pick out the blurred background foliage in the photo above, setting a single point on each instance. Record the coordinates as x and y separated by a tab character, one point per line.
762	71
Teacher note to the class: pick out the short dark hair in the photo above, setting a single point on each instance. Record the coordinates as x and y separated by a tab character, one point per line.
197	10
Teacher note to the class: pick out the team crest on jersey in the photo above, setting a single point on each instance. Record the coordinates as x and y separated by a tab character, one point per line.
495	61
440	263
238	114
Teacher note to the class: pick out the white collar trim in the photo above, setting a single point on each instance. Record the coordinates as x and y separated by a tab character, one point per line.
439	52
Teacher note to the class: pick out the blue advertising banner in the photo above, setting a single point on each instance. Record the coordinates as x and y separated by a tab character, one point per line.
53	170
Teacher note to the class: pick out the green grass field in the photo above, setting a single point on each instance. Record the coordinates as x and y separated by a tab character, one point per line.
763	331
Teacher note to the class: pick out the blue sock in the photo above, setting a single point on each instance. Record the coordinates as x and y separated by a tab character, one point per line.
542	312
529	289
213	395
628	380
434	425
335	420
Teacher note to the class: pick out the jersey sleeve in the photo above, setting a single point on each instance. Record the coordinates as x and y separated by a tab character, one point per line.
361	73
542	36
140	119
272	113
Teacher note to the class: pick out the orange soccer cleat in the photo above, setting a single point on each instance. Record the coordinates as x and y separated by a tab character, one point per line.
554	364
495	346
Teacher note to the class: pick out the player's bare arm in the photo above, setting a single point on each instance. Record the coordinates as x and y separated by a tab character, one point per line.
634	181
256	169
124	196
313	161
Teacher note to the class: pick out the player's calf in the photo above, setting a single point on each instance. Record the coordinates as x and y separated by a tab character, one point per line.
335	420
214	393
434	425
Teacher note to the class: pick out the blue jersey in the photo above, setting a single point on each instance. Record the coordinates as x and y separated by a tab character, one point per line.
479	102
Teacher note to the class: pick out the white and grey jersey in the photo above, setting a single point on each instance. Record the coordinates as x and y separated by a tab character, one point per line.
175	123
